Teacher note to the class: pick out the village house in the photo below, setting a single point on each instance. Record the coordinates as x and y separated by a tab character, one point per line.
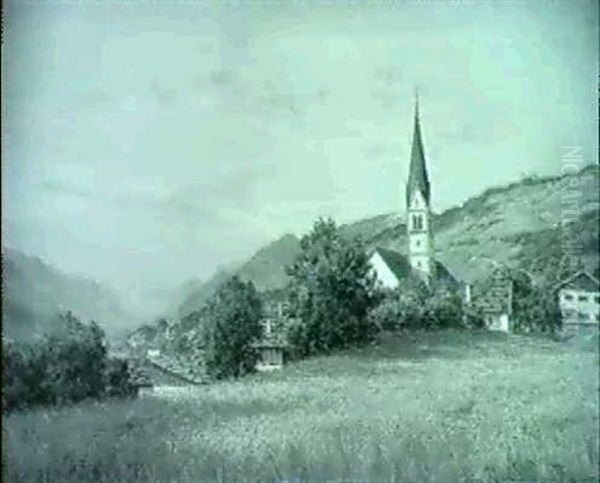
273	346
578	298
493	300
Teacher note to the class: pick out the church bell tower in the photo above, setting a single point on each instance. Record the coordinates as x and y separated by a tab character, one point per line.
418	196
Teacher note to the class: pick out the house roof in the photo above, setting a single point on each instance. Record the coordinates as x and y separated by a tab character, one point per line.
494	295
402	269
581	280
417	175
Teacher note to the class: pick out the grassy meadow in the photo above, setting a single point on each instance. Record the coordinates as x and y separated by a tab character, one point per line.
441	407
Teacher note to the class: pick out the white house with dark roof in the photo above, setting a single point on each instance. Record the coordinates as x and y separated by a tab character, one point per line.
393	268
578	298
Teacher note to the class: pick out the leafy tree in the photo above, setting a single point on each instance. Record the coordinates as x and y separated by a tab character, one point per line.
534	304
14	366
331	291
77	359
538	312
68	365
232	327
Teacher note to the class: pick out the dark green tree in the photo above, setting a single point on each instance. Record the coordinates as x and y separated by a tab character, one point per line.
77	356
232	326
331	291
119	378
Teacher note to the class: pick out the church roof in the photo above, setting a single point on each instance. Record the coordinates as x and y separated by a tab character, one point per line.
396	262
443	274
400	266
417	175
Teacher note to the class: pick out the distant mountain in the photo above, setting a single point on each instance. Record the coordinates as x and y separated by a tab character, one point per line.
33	293
266	269
518	225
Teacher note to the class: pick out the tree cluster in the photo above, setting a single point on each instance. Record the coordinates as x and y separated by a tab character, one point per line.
69	365
416	306
535	305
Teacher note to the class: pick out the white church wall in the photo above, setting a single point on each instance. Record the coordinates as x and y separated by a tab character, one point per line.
384	274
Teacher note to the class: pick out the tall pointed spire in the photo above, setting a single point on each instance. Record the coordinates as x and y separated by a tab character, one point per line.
417	176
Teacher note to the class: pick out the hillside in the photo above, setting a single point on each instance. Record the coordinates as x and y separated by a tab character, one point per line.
266	269
33	292
508	224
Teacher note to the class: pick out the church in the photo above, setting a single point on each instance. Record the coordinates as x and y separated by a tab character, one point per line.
393	268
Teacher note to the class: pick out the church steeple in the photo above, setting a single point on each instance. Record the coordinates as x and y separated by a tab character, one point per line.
418	209
417	175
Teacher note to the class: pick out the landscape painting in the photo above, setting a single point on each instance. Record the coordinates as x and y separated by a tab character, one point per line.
300	241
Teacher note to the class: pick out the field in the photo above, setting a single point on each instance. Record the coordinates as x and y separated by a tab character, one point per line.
447	406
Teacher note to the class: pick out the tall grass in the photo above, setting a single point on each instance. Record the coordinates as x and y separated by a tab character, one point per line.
444	407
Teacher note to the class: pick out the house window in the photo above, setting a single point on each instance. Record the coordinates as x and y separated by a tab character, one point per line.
582	316
568	297
597	299
582	298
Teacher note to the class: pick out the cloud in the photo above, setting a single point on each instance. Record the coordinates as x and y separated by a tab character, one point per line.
94	99
389	74
222	77
56	186
165	96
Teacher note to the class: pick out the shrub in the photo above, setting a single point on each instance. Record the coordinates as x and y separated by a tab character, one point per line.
539	312
416	307
443	309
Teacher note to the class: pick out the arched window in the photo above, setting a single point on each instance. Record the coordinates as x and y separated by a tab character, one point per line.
417	222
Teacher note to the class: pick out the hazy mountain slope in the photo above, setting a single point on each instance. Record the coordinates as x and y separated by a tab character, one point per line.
33	293
197	294
266	269
518	224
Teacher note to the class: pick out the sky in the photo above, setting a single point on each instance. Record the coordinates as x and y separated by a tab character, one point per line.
148	143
